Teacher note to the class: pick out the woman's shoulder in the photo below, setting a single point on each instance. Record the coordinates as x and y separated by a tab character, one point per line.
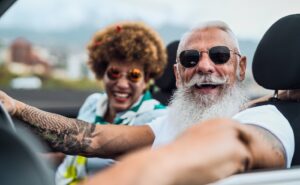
93	98
91	102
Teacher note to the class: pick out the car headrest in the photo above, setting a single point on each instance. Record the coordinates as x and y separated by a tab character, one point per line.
167	81
4	5
276	62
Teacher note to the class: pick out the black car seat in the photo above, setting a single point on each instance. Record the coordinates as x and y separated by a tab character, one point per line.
166	83
276	66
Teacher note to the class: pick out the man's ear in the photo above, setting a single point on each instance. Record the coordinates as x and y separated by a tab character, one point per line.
177	75
242	68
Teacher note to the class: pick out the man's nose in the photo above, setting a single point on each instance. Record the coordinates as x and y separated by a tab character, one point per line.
205	64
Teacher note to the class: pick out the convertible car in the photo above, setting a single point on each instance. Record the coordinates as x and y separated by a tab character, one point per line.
21	165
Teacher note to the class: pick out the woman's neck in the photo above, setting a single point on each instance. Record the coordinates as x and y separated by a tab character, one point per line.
110	115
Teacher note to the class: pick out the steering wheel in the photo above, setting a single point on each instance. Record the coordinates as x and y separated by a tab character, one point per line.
5	119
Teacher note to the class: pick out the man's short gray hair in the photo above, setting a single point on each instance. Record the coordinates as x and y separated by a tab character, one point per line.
211	24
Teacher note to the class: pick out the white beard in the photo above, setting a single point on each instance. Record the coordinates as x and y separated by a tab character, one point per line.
187	109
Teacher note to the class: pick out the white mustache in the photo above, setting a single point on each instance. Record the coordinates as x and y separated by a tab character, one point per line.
207	80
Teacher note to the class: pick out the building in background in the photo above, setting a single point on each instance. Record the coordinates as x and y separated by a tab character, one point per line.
24	59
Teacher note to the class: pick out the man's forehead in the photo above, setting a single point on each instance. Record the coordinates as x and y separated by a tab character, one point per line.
207	38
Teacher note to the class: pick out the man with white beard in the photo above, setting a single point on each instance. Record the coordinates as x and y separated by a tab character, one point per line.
208	73
185	109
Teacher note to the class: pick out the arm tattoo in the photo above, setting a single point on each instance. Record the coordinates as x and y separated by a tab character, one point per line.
63	134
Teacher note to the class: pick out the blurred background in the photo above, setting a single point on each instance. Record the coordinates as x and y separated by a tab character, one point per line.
43	42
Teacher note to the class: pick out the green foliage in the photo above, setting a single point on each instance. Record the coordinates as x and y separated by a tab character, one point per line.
82	84
5	76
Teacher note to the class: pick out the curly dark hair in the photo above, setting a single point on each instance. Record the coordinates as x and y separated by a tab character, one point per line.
132	42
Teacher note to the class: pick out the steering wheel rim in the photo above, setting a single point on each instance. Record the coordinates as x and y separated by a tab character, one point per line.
5	119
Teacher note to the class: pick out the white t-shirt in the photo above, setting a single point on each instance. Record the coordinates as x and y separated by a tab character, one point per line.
267	117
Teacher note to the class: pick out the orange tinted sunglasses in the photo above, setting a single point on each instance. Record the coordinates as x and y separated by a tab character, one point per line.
133	75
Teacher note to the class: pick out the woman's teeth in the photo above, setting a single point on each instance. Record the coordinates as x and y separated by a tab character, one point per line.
121	95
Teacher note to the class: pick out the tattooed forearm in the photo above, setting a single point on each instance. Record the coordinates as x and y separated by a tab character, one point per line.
76	137
63	134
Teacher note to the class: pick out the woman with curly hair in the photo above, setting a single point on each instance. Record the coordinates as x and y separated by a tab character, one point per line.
125	56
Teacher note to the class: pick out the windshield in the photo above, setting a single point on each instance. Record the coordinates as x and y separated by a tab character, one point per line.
43	43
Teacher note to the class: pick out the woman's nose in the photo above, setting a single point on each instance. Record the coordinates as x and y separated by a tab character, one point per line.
123	82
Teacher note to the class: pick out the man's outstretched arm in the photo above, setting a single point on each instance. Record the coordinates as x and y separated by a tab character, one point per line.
77	137
205	153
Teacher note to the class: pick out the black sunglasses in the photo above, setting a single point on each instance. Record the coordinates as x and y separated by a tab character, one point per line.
218	54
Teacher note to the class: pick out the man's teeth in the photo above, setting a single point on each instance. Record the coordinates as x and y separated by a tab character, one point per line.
121	95
203	85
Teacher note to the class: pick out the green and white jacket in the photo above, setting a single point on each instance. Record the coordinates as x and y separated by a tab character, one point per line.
75	168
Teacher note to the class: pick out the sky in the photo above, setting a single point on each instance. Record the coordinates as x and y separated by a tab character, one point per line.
247	18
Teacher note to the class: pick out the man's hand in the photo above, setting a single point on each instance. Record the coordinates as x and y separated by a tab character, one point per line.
8	102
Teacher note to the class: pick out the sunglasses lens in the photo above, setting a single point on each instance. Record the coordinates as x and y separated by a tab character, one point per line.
134	75
113	73
219	54
189	58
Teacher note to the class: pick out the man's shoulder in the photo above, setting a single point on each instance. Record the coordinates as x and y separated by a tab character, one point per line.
261	115
259	111
267	117
271	119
